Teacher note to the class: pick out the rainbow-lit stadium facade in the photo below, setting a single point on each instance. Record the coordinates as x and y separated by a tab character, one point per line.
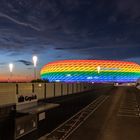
91	71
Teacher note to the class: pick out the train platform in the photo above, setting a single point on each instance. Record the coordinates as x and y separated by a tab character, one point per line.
117	119
110	117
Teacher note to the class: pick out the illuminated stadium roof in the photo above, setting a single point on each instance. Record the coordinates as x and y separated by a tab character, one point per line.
91	71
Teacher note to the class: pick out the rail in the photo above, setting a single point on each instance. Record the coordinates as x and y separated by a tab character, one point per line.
63	131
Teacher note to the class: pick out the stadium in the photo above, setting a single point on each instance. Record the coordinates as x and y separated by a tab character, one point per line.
91	71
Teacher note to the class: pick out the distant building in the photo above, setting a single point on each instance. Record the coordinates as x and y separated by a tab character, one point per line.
91	71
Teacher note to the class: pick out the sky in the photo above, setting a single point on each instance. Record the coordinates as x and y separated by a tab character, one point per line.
66	29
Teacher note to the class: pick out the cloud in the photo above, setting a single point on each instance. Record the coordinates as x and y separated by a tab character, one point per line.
18	22
2	63
84	28
129	8
25	62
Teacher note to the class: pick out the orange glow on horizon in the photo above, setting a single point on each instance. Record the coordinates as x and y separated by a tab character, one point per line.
15	78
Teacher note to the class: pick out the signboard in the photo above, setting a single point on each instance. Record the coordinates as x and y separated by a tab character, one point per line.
25	101
27	98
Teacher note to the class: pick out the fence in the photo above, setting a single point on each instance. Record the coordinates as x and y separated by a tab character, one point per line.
9	91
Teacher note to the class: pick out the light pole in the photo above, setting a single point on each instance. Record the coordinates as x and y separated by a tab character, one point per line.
11	70
35	63
98	69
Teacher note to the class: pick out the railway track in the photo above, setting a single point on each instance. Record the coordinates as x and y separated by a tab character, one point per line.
63	131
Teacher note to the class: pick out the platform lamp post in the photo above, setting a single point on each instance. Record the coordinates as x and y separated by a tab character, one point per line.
11	70
35	64
98	69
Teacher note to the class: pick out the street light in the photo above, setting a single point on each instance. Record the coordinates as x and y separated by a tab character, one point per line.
35	63
11	70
